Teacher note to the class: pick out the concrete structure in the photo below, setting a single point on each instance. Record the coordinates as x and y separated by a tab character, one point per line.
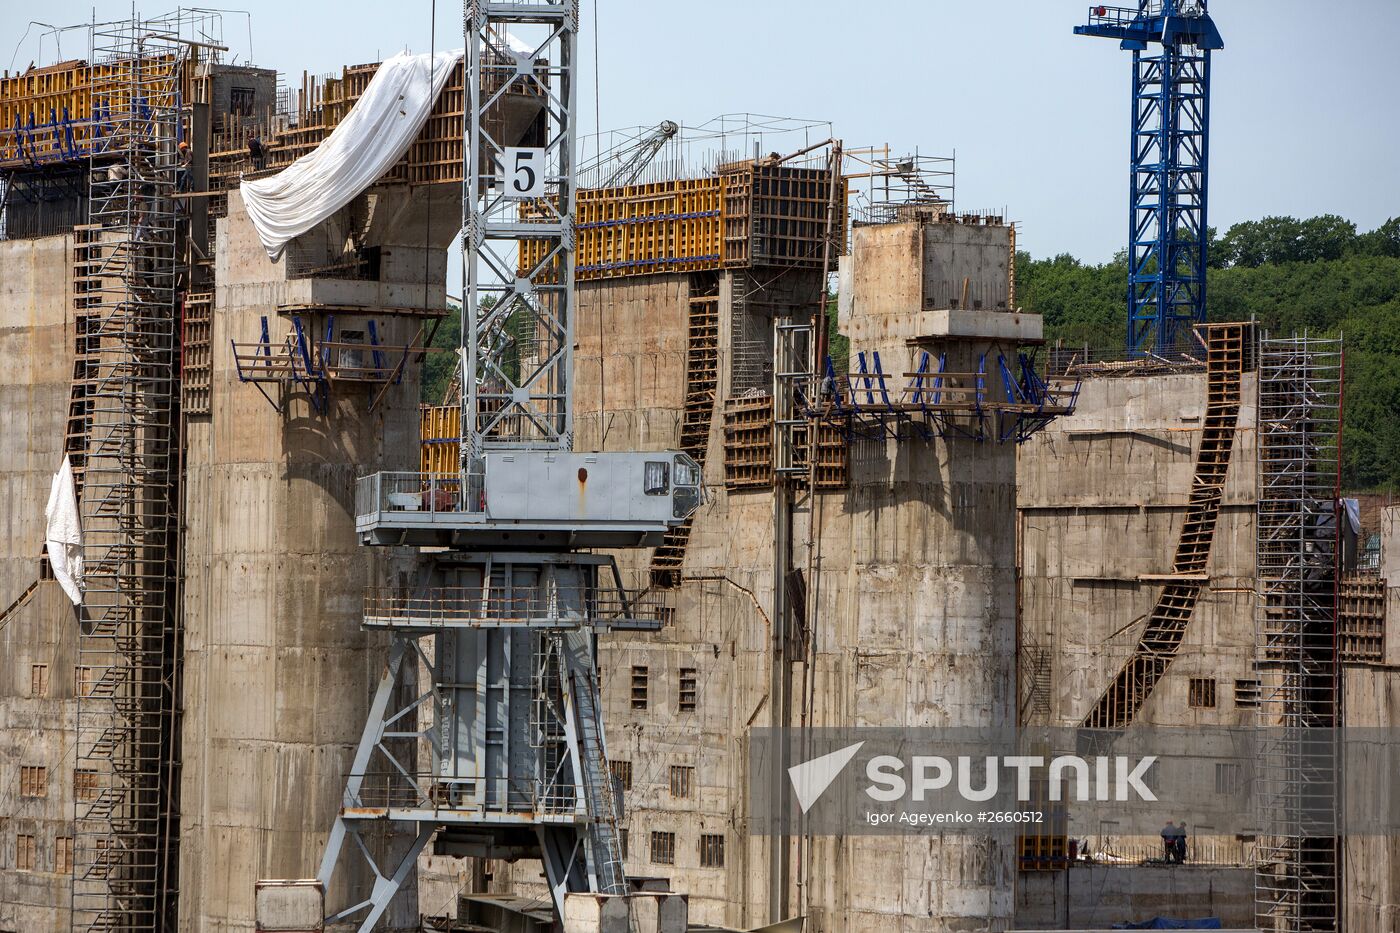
1101	500
38	637
1101	497
277	668
1091	897
1371	699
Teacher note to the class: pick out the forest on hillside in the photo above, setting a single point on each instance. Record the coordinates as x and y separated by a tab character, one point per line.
1318	276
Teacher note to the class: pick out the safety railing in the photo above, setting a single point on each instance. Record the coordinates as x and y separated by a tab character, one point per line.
1100	15
445	795
412	496
538	606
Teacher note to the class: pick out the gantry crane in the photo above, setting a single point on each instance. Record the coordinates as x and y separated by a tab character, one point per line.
1171	42
497	750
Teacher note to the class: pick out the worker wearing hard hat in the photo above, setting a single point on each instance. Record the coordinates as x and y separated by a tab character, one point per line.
183	181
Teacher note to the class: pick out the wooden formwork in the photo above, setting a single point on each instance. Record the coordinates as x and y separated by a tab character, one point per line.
196	361
1361	619
440	432
1043	852
776	215
435	156
701	374
833	467
671	226
748	442
748	448
701	385
748	215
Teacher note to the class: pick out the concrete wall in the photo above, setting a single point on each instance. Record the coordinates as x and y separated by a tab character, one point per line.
1098	896
1101	497
629	363
278	674
36	341
919	278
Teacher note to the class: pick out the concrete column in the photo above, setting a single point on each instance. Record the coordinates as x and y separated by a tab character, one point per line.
278	675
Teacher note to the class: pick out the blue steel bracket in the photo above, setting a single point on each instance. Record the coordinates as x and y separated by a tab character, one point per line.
377	356
315	379
265	350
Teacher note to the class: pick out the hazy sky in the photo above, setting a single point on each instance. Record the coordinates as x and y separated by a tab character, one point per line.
1306	118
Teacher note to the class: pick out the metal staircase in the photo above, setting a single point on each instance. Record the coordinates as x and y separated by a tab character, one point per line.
599	791
122	425
1229	352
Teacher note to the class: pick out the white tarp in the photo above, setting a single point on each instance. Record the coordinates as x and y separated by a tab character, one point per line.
63	534
373	136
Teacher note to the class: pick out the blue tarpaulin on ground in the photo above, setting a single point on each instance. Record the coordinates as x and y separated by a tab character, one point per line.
1163	923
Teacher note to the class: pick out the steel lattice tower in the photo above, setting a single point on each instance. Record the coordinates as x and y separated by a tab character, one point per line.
1171	42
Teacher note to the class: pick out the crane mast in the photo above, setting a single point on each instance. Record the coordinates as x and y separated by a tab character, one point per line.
1171	42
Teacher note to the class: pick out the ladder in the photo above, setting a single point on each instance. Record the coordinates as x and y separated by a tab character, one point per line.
599	795
701	391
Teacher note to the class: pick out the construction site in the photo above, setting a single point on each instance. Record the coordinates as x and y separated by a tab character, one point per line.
748	435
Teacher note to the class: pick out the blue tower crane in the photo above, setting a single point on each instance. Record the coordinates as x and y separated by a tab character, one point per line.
1170	137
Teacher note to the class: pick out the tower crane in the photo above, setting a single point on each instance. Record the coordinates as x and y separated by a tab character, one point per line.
1171	42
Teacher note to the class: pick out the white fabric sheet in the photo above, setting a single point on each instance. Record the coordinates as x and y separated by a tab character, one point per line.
373	136
63	533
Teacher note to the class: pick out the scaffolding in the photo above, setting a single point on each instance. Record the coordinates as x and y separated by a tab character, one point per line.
125	833
1299	402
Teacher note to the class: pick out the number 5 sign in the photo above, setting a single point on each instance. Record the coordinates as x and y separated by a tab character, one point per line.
522	170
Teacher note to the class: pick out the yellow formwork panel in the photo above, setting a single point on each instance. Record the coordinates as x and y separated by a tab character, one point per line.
671	226
439	430
772	215
52	106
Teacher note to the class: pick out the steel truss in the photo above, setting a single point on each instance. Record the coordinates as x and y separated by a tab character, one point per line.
1169	164
126	834
1167	216
525	48
503	709
1296	879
